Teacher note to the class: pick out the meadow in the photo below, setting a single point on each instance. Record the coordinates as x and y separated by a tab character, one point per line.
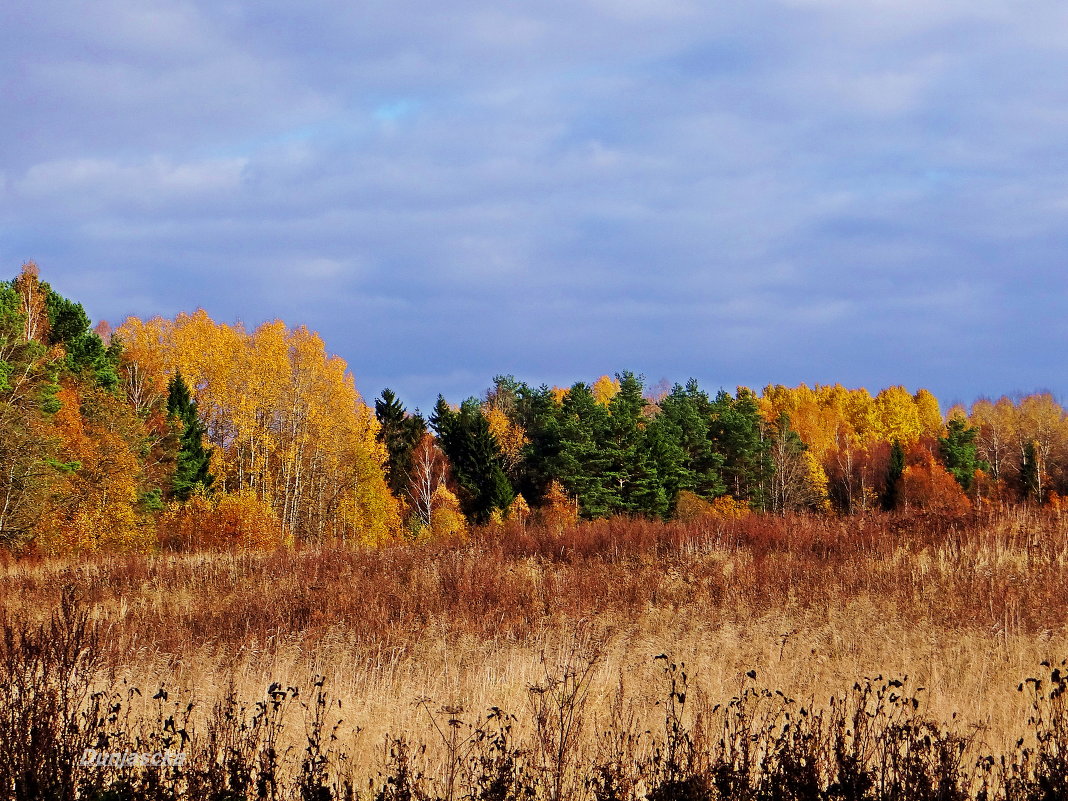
891	656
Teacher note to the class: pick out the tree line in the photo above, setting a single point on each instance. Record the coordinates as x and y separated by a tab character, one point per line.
190	433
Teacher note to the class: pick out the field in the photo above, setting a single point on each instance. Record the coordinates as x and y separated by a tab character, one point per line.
612	659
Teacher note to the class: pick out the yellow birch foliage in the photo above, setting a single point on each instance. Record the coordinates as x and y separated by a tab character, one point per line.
690	506
285	419
730	508
604	389
897	418
446	519
930	414
511	438
817	481
518	509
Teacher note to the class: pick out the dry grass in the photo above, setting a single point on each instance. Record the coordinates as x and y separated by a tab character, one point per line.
967	608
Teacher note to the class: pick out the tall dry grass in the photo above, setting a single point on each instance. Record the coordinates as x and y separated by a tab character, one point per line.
422	642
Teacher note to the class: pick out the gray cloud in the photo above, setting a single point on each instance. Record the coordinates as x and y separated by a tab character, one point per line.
756	192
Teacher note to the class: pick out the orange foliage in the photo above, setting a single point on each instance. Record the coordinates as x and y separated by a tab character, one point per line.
96	507
231	521
558	510
927	485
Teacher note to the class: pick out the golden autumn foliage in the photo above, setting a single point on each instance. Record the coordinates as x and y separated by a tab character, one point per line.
511	438
604	389
848	433
284	417
730	508
230	521
447	522
690	507
817	481
518	510
1009	427
96	509
558	510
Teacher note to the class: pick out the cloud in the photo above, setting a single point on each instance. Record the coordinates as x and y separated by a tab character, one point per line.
742	192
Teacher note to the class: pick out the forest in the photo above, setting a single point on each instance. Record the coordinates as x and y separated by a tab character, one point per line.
188	433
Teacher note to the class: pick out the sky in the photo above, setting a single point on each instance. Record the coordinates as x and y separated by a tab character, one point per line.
870	192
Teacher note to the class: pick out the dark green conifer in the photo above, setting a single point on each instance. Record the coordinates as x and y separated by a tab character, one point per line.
960	453
894	470
400	432
193	462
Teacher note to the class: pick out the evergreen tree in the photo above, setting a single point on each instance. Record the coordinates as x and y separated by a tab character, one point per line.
629	467
69	326
894	470
400	433
666	463
960	453
476	460
535	410
582	463
685	418
193	462
738	432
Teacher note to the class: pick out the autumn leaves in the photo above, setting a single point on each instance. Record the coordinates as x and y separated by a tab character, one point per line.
96	452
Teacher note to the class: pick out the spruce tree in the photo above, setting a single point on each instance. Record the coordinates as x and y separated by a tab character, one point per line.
400	432
583	462
193	462
476	459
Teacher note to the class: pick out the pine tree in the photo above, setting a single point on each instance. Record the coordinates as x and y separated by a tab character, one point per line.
400	432
685	418
69	326
193	462
738	432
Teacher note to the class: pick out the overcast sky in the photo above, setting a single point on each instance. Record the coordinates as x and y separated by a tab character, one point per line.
869	192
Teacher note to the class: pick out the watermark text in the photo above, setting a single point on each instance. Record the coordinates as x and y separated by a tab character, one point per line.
92	758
